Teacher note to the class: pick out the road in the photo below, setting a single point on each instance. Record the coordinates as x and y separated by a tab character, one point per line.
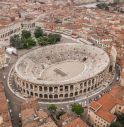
14	102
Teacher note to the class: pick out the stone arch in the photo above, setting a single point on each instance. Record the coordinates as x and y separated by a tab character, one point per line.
50	96
36	94
45	96
71	94
85	90
50	89
31	86
55	96
66	95
31	93
88	89
61	95
76	93
41	96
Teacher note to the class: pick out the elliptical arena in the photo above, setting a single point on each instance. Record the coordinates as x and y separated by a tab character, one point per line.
62	72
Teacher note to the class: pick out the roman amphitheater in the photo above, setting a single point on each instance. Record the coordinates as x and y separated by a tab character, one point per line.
61	72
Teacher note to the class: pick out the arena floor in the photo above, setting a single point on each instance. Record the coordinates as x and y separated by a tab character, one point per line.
63	71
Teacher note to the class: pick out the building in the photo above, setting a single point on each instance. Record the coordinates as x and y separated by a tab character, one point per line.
69	120
101	113
46	73
33	116
5	119
2	58
7	29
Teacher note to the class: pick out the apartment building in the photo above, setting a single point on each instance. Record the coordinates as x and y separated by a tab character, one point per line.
101	113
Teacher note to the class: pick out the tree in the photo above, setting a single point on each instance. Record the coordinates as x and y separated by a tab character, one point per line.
26	34
43	41
15	41
28	43
116	124
77	108
38	32
120	118
52	108
53	38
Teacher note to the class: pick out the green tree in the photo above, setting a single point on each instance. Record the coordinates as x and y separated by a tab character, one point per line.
38	32
28	43
116	124
120	118
15	41
54	38
43	41
52	108
77	108
26	34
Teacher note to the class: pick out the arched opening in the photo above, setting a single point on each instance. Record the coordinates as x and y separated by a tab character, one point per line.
31	86
31	93
36	94
50	96
41	95
80	91
92	87
40	88
71	94
89	89
66	95
50	89
76	93
45	88
45	96
71	87
61	95
85	90
55	96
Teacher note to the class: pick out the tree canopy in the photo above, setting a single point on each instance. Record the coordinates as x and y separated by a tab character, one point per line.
38	32
52	108
15	41
77	108
26	34
116	124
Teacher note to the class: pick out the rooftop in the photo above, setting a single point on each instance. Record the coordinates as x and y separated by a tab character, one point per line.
109	101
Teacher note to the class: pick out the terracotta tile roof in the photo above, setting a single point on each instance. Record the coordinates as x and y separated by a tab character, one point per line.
95	105
106	115
108	101
76	123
